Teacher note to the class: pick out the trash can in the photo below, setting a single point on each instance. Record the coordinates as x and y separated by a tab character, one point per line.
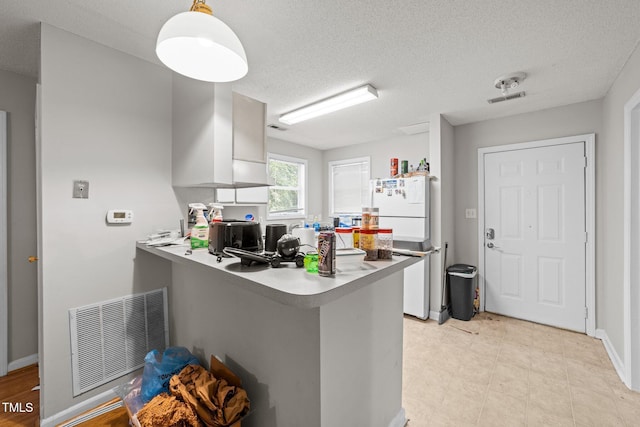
462	290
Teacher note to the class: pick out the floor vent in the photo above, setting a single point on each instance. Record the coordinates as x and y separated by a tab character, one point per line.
110	339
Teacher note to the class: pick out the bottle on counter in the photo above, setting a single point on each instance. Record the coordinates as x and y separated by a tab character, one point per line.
200	231
216	212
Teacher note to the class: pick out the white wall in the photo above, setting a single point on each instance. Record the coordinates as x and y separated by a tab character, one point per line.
106	118
609	213
405	147
441	147
18	100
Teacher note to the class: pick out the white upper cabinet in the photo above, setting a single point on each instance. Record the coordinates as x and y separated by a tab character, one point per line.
213	145
249	125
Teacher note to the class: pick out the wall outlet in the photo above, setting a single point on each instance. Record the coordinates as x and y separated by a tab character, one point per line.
80	189
470	213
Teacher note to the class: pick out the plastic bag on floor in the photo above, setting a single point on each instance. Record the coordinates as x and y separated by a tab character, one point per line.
158	370
130	394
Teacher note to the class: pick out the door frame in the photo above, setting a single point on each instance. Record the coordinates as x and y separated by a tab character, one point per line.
4	274
590	211
631	243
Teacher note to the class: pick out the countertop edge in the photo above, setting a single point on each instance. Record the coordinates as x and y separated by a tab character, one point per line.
306	301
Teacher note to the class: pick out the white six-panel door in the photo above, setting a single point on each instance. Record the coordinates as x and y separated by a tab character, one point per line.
535	260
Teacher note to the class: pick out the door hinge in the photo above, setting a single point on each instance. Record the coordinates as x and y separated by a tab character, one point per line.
586	312
585	161
586	236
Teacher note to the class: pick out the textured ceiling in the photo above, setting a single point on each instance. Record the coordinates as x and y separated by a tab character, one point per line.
423	56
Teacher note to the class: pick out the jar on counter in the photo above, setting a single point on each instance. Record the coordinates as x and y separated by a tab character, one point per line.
356	237
369	244
374	219
385	243
344	238
366	218
370	218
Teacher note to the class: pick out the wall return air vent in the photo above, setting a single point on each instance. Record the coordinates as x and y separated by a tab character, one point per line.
111	338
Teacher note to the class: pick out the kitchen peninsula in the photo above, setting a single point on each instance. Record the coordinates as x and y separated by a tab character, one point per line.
311	351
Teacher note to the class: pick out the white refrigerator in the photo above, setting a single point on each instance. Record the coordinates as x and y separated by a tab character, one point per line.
404	207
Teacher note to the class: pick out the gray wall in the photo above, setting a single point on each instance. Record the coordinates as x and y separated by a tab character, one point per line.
106	118
610	202
18	98
569	120
404	147
557	122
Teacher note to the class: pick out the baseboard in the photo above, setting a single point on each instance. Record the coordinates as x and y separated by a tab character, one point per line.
601	334
399	420
23	362
78	409
434	315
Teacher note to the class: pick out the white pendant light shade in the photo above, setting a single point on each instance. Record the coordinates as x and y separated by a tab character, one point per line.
202	47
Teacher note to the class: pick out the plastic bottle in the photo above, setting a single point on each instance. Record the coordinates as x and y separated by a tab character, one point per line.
216	212
200	231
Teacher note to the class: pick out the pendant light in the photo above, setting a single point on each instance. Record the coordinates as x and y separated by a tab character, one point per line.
198	45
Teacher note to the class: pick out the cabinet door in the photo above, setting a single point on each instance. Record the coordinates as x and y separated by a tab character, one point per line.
252	195
225	195
249	119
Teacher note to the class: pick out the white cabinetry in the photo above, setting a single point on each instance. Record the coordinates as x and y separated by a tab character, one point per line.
252	195
213	144
249	121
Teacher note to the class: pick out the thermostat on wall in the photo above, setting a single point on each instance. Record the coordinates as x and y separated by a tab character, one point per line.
119	216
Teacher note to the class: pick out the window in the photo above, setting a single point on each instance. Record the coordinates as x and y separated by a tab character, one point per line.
287	198
348	186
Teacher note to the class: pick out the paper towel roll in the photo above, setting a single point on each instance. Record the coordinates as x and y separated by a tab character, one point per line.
307	236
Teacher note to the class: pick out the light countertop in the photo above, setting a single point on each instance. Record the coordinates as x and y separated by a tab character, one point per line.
287	284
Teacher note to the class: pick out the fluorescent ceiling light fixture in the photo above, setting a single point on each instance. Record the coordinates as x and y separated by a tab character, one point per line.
329	105
198	45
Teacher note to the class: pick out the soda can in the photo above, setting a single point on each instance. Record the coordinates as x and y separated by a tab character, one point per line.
404	167
393	167
326	254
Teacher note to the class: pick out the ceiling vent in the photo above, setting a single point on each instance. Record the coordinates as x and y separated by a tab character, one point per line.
276	127
415	129
507	98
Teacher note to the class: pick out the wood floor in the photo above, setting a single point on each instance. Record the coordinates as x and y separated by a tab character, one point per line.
20	406
15	390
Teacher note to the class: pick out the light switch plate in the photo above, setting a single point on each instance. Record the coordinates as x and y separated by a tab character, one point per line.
470	213
80	189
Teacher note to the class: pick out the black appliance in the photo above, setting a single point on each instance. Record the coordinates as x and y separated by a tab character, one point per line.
273	233
245	235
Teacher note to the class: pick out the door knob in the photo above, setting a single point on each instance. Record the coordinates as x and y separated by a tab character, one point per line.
490	245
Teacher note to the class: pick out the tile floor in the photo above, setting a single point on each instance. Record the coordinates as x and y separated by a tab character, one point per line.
499	371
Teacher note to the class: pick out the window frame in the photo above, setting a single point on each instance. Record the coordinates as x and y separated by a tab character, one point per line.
330	195
302	189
